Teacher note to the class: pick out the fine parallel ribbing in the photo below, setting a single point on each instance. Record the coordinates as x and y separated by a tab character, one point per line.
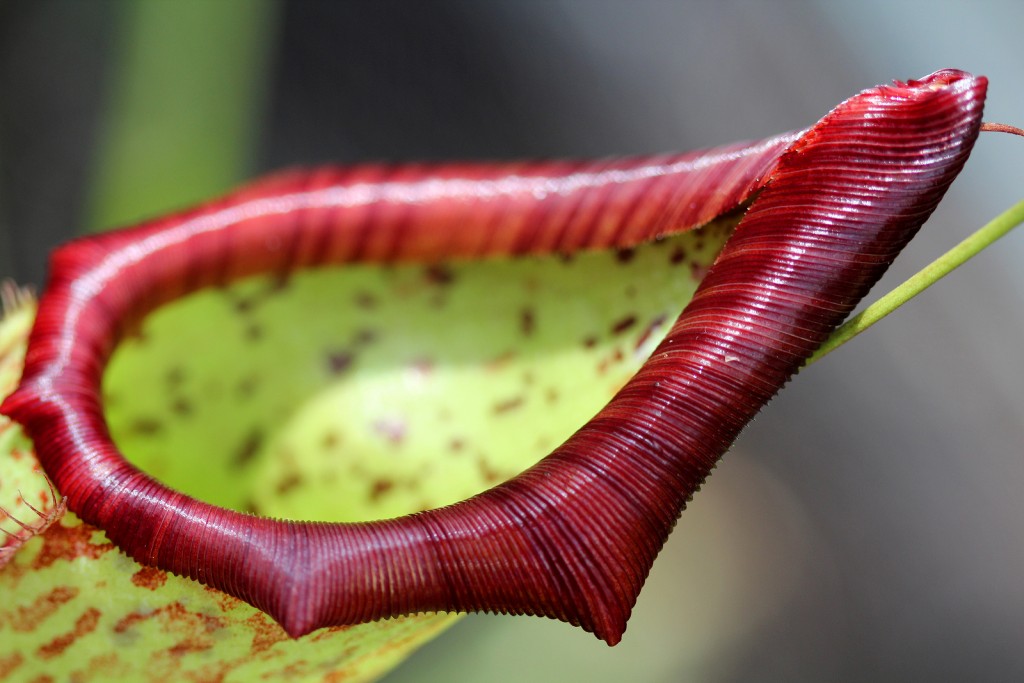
574	536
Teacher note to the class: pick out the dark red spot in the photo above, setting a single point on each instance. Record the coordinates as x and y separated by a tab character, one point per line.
253	332
365	300
247	385
526	321
330	441
624	324
624	255
365	336
438	275
507	405
84	625
489	473
131	620
500	361
265	633
27	618
67	543
175	612
698	271
181	407
190	645
289	483
339	361
649	330
149	578
44	499
243	305
175	377
146	426
677	256
248	449
606	363
379	488
589	342
9	664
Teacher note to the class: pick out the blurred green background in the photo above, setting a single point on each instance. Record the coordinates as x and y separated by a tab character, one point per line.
868	527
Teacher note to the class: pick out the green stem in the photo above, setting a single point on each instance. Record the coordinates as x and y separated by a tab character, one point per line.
185	105
923	279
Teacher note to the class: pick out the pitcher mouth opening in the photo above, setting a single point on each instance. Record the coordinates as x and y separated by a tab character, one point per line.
574	536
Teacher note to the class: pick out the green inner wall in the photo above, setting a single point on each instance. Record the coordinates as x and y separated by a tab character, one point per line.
368	392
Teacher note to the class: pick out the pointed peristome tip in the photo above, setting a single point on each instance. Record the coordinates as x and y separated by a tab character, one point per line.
11	405
24	405
291	605
295	628
612	636
607	614
937	79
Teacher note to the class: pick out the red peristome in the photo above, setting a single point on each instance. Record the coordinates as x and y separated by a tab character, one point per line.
574	536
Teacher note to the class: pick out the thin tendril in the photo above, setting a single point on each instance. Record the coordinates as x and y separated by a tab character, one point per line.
990	127
923	279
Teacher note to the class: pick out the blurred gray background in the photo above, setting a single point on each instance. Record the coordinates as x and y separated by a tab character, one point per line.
870	524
